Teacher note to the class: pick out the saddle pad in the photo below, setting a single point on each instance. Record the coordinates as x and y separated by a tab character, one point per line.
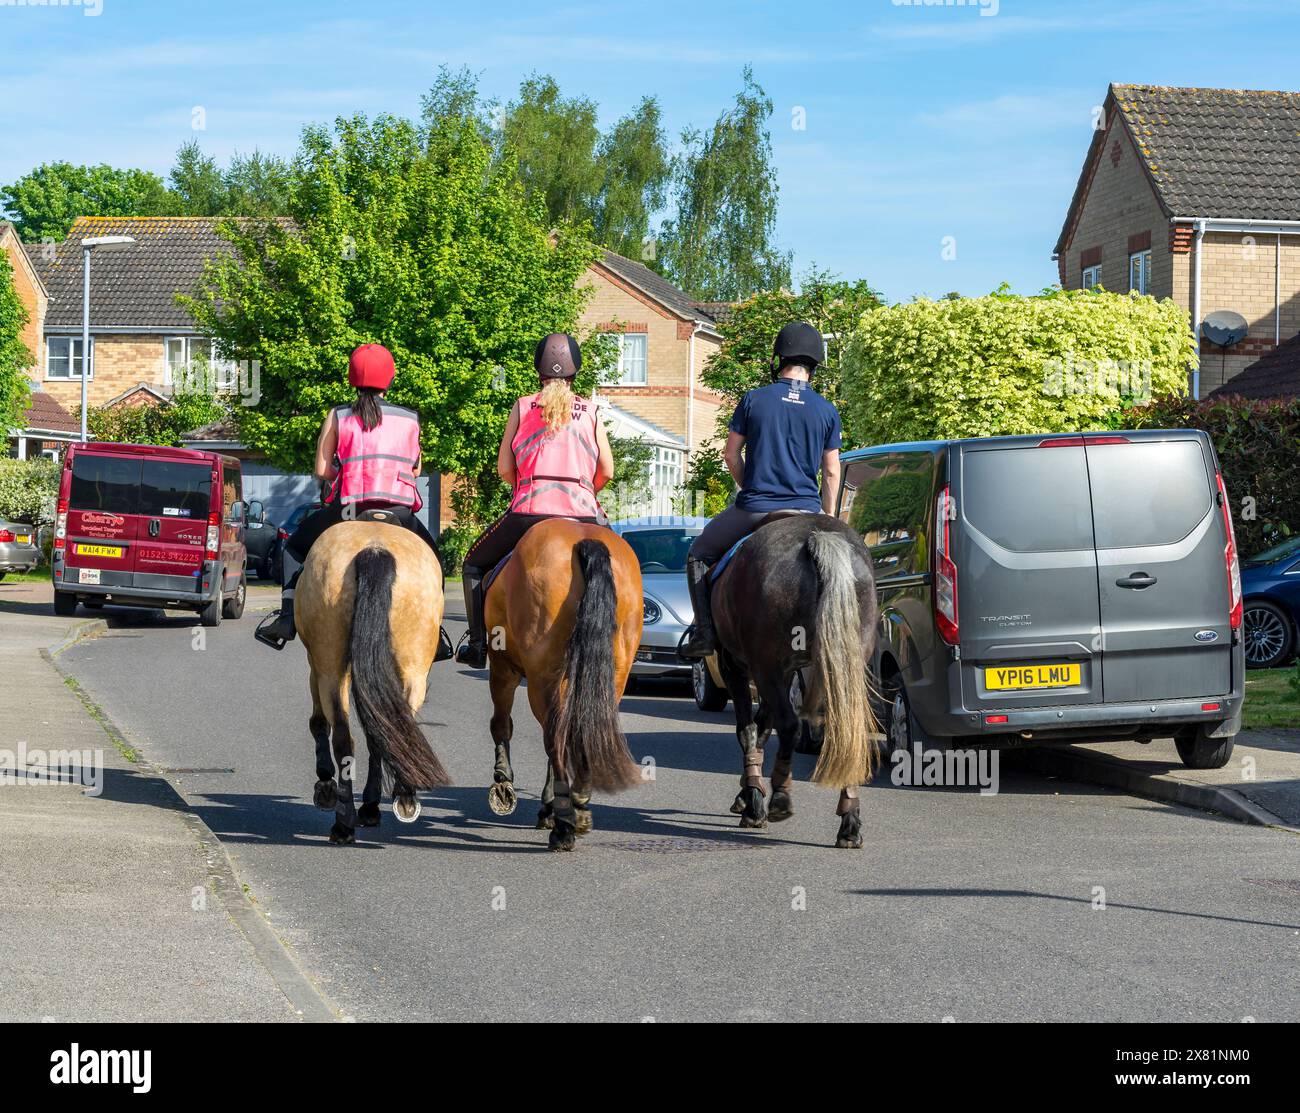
716	571
496	571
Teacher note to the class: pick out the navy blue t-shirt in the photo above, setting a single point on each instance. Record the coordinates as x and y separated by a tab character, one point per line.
787	428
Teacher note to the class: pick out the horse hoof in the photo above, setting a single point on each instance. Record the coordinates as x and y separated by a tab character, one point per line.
750	821
342	836
406	809
545	821
849	842
326	795
502	798
781	808
738	804
562	840
582	824
368	815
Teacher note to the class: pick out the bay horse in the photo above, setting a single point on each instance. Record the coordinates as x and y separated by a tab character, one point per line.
799	594
369	610
565	612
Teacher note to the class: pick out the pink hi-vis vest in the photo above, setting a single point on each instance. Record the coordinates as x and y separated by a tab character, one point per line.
554	469
378	465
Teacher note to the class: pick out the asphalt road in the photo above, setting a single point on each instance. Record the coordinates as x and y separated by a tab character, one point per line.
961	906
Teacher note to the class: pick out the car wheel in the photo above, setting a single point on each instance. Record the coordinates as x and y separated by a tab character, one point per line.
65	604
902	730
210	613
708	695
234	606
1199	751
1267	634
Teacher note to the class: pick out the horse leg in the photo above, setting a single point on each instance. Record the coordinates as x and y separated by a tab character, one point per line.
343	832
564	833
406	804
850	833
582	808
546	813
503	682
776	699
325	794
749	803
368	815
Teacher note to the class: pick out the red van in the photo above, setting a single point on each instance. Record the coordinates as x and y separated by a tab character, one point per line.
144	525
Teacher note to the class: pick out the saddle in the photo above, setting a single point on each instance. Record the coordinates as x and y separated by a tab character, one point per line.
716	571
401	516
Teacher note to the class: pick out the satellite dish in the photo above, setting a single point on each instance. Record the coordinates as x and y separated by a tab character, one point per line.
1224	328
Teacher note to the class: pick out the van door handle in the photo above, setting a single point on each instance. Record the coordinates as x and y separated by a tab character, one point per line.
155	527
1138	580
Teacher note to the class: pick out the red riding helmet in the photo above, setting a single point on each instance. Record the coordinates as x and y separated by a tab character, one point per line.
371	365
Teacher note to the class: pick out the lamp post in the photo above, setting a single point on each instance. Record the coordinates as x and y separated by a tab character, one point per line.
94	243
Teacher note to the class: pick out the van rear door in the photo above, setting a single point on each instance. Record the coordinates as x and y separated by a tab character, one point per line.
1160	566
103	497
175	501
1026	574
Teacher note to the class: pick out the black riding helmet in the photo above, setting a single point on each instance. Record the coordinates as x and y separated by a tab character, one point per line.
558	356
798	342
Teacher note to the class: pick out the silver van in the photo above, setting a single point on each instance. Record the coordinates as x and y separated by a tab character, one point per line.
1053	588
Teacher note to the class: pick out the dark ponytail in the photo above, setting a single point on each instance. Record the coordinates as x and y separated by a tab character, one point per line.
366	407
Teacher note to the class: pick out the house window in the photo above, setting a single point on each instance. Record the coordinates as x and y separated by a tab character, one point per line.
1091	277
192	362
631	370
63	357
1139	271
666	469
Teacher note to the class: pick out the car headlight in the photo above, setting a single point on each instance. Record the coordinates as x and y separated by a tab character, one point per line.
650	611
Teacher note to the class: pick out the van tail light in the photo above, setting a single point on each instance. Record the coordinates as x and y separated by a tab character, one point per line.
945	571
1230	558
61	525
1079	442
214	537
6	537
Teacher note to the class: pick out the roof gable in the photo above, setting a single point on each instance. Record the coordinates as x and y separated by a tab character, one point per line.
659	289
1274	375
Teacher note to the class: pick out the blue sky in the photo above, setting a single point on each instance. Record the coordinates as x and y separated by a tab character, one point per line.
923	120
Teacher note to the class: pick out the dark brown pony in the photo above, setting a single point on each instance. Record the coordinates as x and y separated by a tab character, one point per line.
565	613
800	594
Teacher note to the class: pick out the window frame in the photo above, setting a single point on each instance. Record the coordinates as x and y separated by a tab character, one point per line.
1095	272
72	342
1143	260
620	377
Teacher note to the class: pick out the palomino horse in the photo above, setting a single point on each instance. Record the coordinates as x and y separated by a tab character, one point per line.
565	612
800	594
369	609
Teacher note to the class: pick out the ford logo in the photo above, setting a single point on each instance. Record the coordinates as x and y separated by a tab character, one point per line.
1206	635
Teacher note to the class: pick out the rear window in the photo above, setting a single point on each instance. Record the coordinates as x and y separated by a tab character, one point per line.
661	550
1028	500
107	483
886	500
1147	493
169	489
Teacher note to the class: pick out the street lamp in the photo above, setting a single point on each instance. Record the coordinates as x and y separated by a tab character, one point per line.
94	243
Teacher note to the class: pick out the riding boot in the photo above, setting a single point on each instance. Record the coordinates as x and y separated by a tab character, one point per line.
473	651
282	630
698	642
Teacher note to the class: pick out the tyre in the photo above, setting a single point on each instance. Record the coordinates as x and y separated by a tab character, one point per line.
1199	751
210	613
902	730
1267	634
708	695
65	604
233	607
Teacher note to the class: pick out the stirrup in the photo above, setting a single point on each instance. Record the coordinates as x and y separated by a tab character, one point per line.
445	652
694	646
263	635
465	647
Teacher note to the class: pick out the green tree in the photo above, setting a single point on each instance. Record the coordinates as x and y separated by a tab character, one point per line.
718	244
633	158
45	202
29	490
197	187
708	482
15	358
742	363
1003	364
252	185
165	423
406	235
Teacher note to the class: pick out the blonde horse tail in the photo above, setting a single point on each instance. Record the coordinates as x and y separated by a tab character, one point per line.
839	671
584	720
392	733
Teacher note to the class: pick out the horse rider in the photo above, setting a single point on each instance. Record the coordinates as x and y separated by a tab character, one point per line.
787	433
368	453
555	454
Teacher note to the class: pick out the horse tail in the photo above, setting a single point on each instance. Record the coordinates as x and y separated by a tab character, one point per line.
392	733
839	673
584	719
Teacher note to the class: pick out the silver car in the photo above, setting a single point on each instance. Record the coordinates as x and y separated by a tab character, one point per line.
661	543
19	551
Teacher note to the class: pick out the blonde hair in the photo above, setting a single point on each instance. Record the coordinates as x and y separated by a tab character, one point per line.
557	403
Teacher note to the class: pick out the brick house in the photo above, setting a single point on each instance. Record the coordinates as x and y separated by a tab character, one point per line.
1194	195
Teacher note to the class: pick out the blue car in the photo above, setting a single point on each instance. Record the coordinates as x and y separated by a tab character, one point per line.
1270	587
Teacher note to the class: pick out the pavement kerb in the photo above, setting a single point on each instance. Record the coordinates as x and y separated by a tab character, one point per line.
307	999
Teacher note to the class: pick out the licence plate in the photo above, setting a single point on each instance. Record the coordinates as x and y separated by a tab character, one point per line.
23	538
88	575
99	550
1033	676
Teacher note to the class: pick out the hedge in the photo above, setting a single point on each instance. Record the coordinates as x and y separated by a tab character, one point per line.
28	491
1259	450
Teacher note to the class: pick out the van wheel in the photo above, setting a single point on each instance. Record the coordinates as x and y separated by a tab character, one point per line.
902	730
210	615
65	604
708	695
1199	751
1267	634
234	606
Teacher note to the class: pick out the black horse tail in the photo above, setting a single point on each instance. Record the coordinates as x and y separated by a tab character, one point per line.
392	733
839	671
584	719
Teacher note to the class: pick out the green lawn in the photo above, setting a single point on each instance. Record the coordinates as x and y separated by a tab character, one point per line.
1271	701
39	576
